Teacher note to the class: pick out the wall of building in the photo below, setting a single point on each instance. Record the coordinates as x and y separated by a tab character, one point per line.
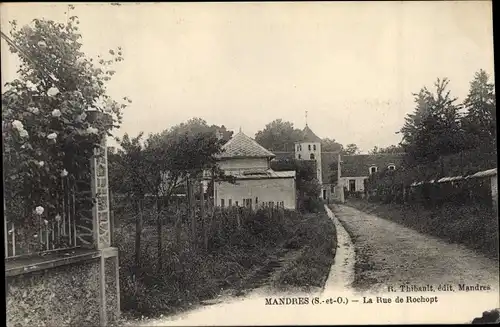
266	190
67	295
302	152
360	184
244	163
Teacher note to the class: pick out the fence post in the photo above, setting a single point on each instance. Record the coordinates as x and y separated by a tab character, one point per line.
6	242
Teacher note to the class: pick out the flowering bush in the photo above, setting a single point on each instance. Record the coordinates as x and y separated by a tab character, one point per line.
48	134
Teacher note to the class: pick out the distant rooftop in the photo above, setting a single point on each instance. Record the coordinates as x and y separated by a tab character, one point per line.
309	136
243	146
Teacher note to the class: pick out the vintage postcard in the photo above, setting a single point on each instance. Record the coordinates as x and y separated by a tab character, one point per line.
259	163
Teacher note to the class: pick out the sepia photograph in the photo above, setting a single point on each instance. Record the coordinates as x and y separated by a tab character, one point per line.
249	163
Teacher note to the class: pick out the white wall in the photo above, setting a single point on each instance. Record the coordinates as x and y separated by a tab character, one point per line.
360	184
305	154
244	163
276	190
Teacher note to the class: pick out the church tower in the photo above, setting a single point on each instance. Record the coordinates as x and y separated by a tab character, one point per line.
309	148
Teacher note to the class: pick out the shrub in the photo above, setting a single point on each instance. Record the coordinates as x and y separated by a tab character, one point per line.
192	274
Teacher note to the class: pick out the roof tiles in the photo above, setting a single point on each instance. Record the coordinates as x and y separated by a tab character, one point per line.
242	146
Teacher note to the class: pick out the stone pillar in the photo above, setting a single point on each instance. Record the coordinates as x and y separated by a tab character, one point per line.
100	192
102	229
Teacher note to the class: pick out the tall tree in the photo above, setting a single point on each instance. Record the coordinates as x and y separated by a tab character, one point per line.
479	123
351	149
278	135
330	145
433	129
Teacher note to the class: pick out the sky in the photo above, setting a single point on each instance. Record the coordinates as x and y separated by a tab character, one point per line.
353	66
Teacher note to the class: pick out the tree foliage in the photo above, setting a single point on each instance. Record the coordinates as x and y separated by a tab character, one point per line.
330	145
389	149
434	128
479	123
279	135
440	141
350	149
48	132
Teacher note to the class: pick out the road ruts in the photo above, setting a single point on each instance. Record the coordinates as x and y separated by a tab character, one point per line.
390	254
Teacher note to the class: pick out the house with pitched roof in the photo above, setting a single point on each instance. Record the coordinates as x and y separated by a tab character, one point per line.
350	171
256	184
356	169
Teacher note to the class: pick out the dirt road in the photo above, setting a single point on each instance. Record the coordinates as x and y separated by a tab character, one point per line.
390	254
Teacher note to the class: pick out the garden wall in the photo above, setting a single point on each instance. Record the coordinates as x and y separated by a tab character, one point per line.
60	290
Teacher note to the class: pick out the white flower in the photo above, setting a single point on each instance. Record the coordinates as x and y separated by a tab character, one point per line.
92	130
23	133
33	110
99	102
42	44
81	118
41	164
18	125
52	136
56	113
53	91
58	217
64	173
39	210
31	86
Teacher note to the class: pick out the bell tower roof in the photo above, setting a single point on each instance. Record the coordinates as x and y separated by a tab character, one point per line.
309	136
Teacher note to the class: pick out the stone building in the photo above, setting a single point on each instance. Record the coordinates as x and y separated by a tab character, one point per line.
256	184
335	179
356	169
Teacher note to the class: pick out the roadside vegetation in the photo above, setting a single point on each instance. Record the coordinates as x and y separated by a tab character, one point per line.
178	251
285	250
447	141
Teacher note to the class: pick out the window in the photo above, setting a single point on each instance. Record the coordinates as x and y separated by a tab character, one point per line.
314	147
311	156
256	201
236	203
352	185
332	188
373	169
300	157
247	203
324	194
222	203
309	147
391	167
230	202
